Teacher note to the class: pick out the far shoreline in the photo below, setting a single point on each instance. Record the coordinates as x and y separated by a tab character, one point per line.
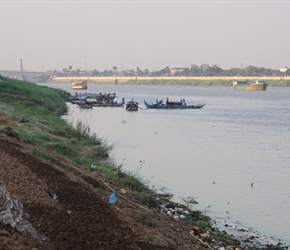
273	81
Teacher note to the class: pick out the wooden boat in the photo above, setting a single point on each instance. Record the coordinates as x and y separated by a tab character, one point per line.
92	98
80	85
254	86
110	104
95	98
172	105
179	106
85	106
132	106
150	106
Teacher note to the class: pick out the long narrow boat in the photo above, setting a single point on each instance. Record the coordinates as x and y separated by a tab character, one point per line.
85	106
96	98
110	104
169	106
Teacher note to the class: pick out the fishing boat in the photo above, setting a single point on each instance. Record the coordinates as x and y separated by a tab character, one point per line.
132	106
92	98
109	104
150	106
252	86
79	85
172	105
96	98
179	106
85	106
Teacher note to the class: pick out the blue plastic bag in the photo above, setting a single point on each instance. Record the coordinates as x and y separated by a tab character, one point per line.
113	199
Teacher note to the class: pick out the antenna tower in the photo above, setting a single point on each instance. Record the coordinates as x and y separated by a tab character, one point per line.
23	77
21	65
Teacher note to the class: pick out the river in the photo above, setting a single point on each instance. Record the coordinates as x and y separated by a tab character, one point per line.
232	156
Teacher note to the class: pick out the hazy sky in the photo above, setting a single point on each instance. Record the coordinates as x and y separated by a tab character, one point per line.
50	35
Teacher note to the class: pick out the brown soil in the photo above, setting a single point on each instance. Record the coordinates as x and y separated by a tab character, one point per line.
44	206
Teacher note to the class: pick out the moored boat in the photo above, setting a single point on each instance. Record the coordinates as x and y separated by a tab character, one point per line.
80	85
110	104
178	106
251	86
92	98
150	106
85	106
172	105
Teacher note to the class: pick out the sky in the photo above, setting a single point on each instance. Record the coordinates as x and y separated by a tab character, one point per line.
149	34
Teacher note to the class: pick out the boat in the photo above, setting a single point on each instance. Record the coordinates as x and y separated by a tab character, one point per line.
132	106
92	98
150	106
109	104
80	85
252	86
172	105
179	106
95	98
85	105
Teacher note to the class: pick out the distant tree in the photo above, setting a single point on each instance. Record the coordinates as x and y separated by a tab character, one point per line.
95	73
250	70
107	73
165	71
146	72
115	68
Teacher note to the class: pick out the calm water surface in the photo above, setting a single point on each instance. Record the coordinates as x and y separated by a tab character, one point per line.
213	154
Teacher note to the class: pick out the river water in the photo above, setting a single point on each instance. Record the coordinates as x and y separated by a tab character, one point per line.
232	156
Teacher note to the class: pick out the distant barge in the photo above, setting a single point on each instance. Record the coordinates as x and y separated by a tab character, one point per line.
252	86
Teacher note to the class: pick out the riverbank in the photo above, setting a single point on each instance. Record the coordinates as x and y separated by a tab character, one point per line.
57	180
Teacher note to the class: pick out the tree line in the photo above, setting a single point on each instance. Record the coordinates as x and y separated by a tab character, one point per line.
204	70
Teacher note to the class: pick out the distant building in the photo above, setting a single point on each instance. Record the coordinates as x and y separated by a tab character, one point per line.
193	66
176	69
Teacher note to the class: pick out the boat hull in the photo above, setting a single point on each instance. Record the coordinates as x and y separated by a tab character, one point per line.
196	106
121	104
243	85
85	106
80	88
260	87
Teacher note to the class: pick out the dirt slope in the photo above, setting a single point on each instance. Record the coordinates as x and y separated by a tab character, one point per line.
44	206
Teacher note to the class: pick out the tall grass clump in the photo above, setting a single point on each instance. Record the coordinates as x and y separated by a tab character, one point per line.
22	94
35	116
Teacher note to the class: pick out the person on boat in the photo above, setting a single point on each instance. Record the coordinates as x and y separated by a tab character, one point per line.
167	101
184	102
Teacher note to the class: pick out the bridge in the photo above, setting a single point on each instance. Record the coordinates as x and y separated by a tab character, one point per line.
19	72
